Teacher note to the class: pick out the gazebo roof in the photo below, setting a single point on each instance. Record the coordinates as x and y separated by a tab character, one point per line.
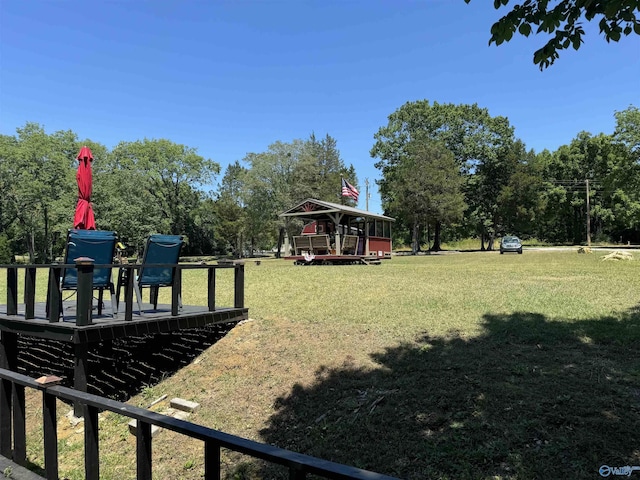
312	208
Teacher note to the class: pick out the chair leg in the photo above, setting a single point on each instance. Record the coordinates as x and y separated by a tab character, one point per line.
100	298
114	301
120	282
153	296
136	288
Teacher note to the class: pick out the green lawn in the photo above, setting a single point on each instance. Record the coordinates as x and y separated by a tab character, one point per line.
470	365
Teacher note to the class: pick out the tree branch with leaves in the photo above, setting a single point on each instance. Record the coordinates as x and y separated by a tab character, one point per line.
563	21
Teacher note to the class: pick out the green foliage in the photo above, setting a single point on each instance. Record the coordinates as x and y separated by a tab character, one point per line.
614	177
520	203
317	174
38	186
563	21
434	196
511	190
251	197
477	141
628	130
428	154
166	176
230	217
6	255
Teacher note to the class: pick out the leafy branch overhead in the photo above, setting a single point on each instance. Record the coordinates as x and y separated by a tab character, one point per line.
563	20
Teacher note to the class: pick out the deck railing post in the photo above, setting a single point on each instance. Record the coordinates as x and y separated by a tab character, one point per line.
295	473
5	418
130	277
84	302
19	425
143	449
91	447
8	360
176	290
12	291
239	287
298	466
50	427
54	299
211	289
29	293
211	460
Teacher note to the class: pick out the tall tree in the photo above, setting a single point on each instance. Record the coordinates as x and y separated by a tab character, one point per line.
563	20
319	169
285	174
268	189
39	191
468	131
230	210
520	201
627	130
489	179
168	175
432	196
613	176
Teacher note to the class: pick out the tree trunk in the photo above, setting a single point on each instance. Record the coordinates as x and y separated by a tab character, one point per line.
238	249
31	245
47	247
490	242
415	238
280	242
436	237
482	249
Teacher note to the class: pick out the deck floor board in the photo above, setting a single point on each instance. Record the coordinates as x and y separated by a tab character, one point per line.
106	327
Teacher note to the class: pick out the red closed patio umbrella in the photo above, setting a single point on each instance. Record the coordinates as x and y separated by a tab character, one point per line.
84	219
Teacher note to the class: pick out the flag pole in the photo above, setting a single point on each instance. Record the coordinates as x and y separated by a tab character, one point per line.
366	198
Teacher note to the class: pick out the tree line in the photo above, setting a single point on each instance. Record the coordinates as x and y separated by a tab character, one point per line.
448	172
456	171
156	186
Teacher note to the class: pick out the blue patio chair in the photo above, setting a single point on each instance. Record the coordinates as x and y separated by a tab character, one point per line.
98	245
159	249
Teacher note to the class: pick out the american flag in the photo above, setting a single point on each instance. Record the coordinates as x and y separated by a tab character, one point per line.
349	190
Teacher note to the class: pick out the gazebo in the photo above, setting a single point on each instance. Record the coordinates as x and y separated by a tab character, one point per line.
335	233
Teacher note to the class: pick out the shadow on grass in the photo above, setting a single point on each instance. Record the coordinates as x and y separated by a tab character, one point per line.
530	398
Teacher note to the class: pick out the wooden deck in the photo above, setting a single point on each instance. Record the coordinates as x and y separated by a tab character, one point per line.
83	325
105	327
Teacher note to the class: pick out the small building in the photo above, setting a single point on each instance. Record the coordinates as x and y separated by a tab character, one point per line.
335	233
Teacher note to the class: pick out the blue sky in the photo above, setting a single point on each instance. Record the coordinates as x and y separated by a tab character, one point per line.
233	77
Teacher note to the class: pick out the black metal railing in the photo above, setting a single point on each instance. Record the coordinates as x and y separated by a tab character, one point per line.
85	269
13	435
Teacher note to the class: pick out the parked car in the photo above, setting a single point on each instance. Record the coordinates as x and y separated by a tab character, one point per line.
510	244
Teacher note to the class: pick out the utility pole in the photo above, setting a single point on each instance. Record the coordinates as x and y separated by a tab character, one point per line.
366	194
588	216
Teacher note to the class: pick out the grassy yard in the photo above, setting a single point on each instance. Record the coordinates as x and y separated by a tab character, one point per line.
471	365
